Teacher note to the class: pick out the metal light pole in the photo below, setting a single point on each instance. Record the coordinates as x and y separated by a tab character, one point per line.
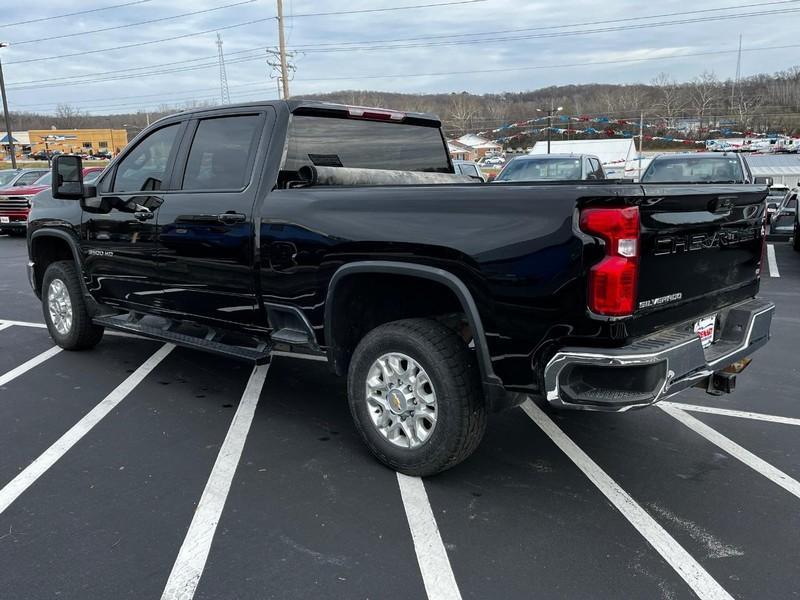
5	112
550	112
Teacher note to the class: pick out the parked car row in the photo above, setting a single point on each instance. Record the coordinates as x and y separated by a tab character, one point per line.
50	154
16	196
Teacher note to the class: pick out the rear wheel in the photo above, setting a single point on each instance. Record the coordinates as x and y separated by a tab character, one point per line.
796	238
64	308
415	397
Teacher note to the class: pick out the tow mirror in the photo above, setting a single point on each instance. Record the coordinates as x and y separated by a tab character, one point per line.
763	181
67	177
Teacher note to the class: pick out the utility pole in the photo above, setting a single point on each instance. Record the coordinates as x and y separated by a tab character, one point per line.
550	112
282	48
5	112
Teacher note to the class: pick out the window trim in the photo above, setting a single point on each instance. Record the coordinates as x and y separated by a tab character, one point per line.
168	174
182	159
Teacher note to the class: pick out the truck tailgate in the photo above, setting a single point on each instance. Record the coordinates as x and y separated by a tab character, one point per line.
701	247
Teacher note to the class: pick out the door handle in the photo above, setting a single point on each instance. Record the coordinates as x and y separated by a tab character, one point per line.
231	217
144	215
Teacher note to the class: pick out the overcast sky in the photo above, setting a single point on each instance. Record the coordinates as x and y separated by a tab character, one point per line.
479	46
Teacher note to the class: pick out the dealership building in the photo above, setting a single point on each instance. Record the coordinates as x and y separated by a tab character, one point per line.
67	140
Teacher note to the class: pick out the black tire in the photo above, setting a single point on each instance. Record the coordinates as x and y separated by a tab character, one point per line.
16	233
796	238
82	334
461	411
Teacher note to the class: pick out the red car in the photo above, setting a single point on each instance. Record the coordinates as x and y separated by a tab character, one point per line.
16	202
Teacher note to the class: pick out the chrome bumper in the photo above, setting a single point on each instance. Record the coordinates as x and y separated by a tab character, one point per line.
655	367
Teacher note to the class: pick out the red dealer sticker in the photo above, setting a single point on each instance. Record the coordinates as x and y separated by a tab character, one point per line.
705	329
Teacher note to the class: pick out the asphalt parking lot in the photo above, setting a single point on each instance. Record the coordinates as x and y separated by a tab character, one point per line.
139	471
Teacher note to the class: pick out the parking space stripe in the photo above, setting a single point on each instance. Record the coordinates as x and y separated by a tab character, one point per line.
5	325
28	365
192	556
24	324
50	456
772	261
437	575
703	584
727	412
728	445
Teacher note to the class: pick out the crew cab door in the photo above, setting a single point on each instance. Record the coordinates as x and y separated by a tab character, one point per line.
205	228
118	233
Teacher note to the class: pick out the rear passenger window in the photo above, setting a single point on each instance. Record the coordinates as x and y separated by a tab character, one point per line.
220	155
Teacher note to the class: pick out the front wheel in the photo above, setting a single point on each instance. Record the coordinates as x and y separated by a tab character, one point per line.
64	308
796	238
414	393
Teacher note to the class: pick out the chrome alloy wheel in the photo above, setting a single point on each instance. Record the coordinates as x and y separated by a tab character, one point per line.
59	306
401	400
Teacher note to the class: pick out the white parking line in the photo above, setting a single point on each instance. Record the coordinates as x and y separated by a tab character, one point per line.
24	324
727	412
188	567
5	325
38	467
703	584
751	460
28	365
772	261
437	575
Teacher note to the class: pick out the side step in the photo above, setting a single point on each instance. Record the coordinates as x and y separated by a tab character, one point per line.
132	323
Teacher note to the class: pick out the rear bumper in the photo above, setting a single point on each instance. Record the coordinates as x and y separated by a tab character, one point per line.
655	367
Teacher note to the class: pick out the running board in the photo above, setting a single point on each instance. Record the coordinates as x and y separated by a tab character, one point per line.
131	324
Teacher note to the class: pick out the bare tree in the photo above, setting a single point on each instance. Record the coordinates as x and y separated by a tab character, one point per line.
704	93
669	99
462	110
69	116
745	105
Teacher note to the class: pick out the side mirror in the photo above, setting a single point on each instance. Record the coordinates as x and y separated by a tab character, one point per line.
67	177
763	181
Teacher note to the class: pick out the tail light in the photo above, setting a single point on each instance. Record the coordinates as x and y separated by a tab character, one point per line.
612	281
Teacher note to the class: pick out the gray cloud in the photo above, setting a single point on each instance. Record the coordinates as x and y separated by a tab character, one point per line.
475	67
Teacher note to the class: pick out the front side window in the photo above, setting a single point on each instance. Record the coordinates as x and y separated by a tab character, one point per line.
145	167
220	153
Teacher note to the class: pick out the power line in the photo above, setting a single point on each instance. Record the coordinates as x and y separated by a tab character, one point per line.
73	14
388	9
551	66
196	33
88	76
561	34
547	27
159	20
139	44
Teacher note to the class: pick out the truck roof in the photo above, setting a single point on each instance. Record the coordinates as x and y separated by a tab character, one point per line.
318	106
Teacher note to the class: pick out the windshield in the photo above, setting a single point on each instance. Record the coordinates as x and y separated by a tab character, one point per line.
335	142
6	177
689	169
535	169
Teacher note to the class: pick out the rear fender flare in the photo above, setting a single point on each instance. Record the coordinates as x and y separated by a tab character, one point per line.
462	293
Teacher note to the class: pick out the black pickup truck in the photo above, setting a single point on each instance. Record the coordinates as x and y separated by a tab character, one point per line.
343	232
